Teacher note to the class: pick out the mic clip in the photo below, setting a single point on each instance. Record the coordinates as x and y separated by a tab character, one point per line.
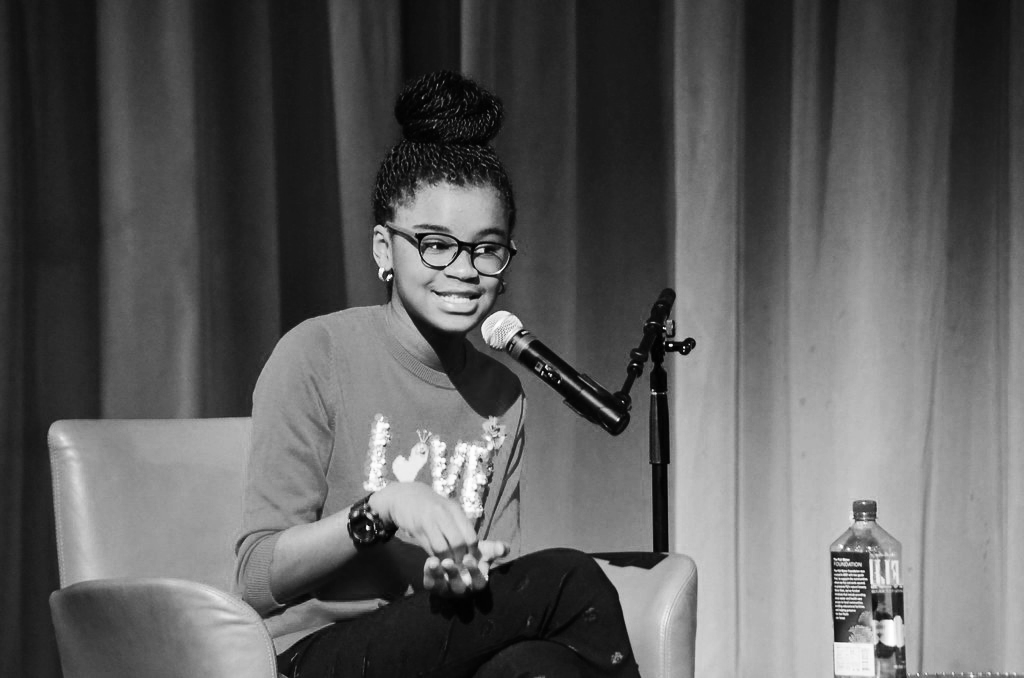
655	343
590	417
681	347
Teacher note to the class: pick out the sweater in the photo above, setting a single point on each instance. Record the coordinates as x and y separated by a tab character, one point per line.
340	409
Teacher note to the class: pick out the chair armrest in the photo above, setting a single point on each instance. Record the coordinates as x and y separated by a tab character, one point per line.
658	594
158	627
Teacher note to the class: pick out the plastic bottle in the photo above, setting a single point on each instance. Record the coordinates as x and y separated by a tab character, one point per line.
867	599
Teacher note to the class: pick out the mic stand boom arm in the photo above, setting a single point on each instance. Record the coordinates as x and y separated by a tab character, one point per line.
655	344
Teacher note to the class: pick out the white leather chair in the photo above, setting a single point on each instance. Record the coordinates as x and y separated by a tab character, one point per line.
146	511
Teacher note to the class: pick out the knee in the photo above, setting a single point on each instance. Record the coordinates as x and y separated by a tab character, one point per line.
566	559
567	566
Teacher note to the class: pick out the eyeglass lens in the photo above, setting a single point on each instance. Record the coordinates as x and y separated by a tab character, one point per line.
441	250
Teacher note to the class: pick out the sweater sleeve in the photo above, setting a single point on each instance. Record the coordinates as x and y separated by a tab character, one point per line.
292	440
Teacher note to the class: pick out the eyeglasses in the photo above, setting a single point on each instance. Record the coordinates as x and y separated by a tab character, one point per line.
439	250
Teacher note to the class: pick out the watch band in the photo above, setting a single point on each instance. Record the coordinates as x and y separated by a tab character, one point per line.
365	527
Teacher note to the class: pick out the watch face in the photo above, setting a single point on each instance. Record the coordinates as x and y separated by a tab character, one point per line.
365	527
362	529
362	525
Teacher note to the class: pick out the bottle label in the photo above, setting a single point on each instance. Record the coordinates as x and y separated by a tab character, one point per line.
853	649
867	615
887	611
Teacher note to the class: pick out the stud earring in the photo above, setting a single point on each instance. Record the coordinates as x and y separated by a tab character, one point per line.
385	276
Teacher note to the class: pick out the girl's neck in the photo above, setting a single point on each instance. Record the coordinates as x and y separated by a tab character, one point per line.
437	350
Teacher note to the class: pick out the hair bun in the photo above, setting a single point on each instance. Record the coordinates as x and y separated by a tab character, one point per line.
446	107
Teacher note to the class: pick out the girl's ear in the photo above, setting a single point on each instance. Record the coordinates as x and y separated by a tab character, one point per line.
382	247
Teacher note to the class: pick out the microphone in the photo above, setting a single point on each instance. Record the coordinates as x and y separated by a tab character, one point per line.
504	332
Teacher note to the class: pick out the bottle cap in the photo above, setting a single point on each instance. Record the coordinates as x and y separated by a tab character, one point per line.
865	509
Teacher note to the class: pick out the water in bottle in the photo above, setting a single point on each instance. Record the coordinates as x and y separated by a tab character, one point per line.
867	600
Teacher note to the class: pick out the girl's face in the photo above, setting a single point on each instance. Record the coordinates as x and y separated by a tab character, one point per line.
452	300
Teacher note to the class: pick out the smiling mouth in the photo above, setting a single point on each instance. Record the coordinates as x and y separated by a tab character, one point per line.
458	297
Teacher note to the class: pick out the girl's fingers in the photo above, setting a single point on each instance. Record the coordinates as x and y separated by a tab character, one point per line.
476	571
492	550
449	577
433	576
456	584
434	541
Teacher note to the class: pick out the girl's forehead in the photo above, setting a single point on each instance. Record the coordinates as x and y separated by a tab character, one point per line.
454	208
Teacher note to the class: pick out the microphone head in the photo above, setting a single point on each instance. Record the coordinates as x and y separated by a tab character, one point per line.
499	327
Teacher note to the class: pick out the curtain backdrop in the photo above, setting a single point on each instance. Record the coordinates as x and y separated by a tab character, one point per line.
834	189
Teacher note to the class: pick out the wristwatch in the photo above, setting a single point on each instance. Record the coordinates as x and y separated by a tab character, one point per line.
366	527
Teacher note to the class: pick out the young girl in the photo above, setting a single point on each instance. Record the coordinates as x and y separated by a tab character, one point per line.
383	479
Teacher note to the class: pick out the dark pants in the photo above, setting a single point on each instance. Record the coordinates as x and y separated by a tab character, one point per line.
551	613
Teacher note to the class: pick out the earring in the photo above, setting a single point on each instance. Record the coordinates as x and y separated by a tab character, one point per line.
385	276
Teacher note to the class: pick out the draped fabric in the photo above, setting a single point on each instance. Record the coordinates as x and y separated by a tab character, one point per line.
835	190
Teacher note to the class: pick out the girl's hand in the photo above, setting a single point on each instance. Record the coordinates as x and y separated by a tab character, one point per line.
445	578
437	523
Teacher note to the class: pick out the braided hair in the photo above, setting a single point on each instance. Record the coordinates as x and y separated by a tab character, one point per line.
447	123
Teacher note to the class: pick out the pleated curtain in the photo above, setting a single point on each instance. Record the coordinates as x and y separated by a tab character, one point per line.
834	190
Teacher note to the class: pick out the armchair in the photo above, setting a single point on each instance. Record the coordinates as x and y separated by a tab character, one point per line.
145	514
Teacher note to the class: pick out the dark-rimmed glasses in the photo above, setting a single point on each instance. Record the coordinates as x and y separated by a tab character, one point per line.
439	250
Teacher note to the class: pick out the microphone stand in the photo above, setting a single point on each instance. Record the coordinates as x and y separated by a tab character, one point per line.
655	344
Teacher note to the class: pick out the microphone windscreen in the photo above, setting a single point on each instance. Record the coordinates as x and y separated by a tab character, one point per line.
499	327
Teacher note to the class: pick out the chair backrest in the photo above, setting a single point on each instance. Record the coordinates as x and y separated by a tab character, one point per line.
148	498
